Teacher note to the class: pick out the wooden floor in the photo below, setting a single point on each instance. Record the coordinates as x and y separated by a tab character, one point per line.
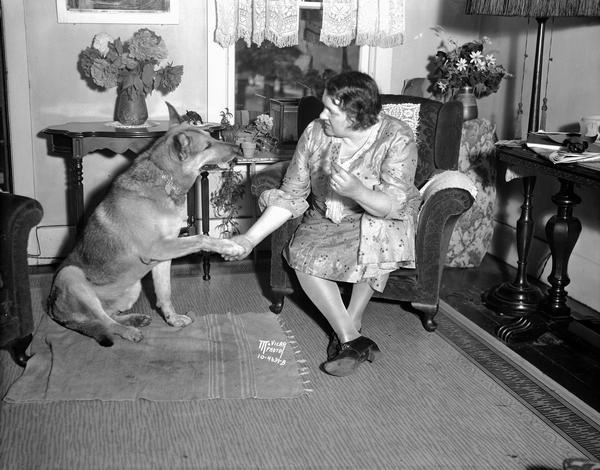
569	353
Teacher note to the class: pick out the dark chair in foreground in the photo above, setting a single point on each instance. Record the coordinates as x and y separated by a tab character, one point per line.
18	215
438	130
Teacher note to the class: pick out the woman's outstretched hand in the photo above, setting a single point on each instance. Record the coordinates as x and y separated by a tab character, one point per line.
244	248
346	184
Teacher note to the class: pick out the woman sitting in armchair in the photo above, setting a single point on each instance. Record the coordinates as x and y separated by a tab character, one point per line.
352	176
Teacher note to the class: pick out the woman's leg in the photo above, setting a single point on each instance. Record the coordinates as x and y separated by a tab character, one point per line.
326	296
361	294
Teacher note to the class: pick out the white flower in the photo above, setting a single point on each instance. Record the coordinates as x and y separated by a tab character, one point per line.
264	123
461	64
476	57
490	59
480	65
442	86
100	43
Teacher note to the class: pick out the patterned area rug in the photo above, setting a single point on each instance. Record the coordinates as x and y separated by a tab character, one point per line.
220	355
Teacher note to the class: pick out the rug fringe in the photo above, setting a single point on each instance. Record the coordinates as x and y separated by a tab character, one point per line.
303	370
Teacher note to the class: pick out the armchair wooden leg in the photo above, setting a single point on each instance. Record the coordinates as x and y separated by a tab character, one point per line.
428	312
18	348
277	305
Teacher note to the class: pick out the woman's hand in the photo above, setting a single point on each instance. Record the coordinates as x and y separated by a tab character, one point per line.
243	248
346	184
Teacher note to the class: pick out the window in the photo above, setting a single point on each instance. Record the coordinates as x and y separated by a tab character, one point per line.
267	72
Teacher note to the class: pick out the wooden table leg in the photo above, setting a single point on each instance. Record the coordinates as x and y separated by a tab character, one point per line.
76	187
562	231
205	191
518	300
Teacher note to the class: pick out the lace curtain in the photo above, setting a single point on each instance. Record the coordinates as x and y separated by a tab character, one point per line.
378	23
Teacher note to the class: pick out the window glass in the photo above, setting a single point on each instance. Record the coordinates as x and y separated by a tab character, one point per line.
268	72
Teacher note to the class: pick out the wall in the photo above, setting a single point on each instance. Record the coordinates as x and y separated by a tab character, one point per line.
45	89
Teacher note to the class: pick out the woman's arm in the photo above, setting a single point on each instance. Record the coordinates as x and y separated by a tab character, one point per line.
280	205
271	219
396	188
346	184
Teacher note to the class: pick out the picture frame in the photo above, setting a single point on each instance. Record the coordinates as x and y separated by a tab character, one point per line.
118	11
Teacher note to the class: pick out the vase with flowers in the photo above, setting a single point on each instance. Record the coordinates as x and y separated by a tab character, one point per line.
133	67
465	72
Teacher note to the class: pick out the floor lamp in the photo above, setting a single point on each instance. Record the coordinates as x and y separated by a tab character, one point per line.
518	298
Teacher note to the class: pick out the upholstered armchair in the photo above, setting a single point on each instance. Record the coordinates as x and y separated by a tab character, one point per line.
437	127
18	215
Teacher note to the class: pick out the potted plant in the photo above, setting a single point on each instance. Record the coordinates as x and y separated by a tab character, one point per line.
225	201
133	67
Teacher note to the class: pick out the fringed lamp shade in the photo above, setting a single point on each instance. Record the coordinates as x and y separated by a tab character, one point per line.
541	10
534	8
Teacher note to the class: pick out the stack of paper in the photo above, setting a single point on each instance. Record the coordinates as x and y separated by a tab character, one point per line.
551	145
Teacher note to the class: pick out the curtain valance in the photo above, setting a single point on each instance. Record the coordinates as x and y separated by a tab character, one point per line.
378	23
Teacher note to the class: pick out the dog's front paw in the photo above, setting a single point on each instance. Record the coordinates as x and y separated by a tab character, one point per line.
130	333
178	321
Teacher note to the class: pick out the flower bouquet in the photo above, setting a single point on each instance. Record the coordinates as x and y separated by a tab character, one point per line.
133	66
454	67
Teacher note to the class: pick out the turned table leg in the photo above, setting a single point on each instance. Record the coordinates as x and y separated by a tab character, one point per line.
76	170
518	298
562	231
205	191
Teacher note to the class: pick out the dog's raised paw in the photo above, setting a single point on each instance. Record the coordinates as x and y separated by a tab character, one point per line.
178	320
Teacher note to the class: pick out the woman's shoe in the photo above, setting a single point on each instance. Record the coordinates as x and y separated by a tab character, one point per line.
351	354
333	348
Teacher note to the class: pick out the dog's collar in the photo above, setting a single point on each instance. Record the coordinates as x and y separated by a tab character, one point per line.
173	190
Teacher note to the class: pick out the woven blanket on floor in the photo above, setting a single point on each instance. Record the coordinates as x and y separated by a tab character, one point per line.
226	355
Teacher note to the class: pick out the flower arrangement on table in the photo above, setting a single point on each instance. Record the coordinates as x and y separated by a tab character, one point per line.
132	66
454	67
258	131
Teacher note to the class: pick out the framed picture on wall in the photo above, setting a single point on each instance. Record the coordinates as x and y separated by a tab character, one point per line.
118	11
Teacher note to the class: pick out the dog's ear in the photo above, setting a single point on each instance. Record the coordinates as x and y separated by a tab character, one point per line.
174	117
181	143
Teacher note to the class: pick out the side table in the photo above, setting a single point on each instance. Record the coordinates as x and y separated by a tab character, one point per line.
75	140
529	308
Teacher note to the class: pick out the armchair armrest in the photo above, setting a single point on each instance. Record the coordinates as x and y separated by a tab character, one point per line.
18	215
437	218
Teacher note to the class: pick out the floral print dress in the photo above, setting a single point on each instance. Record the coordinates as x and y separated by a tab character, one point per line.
357	247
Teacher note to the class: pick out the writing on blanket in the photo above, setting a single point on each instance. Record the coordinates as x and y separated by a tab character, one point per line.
272	351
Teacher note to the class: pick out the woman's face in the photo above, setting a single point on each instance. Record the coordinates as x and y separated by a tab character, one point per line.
337	123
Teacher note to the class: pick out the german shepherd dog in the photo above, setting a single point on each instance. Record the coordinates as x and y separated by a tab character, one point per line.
135	230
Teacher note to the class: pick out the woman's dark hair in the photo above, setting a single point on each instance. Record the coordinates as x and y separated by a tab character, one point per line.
356	94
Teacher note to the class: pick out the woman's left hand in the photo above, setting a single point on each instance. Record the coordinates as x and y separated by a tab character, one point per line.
346	184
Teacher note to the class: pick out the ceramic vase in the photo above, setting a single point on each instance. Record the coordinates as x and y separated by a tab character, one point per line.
131	110
248	149
466	96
